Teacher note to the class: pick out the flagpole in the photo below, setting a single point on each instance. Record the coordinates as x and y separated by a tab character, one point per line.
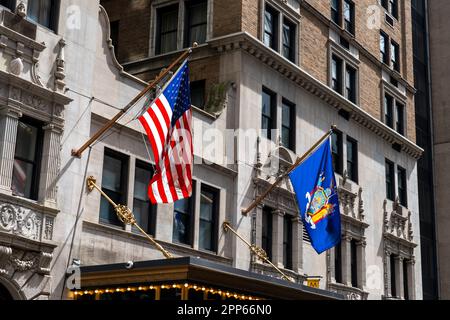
107	126
298	162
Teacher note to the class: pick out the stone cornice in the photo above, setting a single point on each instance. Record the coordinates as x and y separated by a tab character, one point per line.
251	45
307	6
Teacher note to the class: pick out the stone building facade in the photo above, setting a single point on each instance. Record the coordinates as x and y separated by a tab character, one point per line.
268	79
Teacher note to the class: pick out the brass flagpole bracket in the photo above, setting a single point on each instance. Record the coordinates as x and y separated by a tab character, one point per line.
259	252
125	215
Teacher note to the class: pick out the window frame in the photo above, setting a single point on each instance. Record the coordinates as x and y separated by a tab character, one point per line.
395	56
267	217
354	163
349	25
288	242
188	26
336	13
397	102
402	186
292	38
344	61
215	218
55	6
158	36
152	214
191	218
389	164
350	91
273	112
274	34
202	84
37	161
124	179
385	52
340	155
292	121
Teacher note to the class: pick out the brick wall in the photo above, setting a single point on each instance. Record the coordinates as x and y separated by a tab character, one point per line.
134	27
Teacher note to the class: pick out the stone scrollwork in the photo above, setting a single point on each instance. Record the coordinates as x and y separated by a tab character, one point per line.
20	221
5	254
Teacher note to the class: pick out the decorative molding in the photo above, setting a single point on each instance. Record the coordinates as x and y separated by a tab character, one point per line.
5	255
350	293
246	42
396	225
60	63
25	223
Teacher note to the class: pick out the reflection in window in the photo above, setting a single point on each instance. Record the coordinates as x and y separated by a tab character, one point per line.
114	184
167	29
44	12
144	211
270	27
182	221
208	218
25	181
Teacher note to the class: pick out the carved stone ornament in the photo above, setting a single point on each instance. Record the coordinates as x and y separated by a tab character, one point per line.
21	10
16	66
19	221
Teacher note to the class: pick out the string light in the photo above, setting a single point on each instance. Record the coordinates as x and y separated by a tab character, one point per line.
186	286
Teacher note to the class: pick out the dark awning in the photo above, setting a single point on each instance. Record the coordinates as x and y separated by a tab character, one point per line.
195	270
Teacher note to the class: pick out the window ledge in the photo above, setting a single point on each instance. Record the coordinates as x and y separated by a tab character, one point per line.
205	113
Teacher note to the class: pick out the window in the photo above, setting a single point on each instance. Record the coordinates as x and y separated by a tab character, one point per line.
384	47
268	113
114	26
167	29
388	111
335	11
114	184
267	231
336	74
393	275
44	12
394	8
26	169
349	16
350	84
391	7
394	113
354	263
270	27
287	242
338	263
390	180
288	125
402	186
10	4
405	280
395	56
336	149
182	221
198	97
288	37
400	126
209	200
144	211
196	22
352	159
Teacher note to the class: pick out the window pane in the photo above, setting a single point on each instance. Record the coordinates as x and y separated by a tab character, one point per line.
267	231
388	101
338	263
207	205
198	93
205	235
112	170
197	14
181	228
22	179
400	118
168	29
141	211
41	11
26	141
141	182
107	212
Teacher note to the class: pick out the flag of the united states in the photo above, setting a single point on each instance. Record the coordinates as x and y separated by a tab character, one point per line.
168	124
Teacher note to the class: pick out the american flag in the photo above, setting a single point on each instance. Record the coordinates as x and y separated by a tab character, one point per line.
168	125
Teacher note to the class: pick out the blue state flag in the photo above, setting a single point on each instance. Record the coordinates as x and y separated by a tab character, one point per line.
315	187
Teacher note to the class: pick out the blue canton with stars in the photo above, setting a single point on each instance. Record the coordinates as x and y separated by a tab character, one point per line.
178	93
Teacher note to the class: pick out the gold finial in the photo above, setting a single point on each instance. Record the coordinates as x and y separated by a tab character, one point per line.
195	44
